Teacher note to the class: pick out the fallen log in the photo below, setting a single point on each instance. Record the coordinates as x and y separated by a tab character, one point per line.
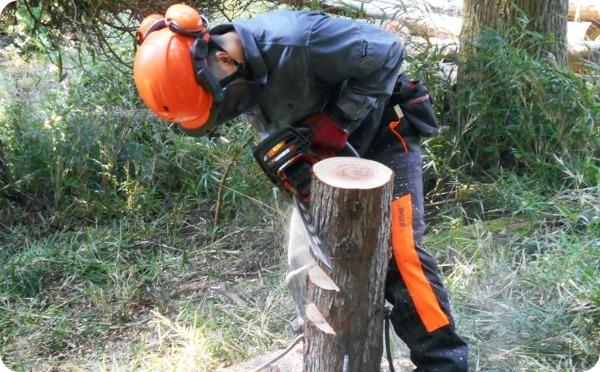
434	26
584	11
440	19
579	10
593	32
350	204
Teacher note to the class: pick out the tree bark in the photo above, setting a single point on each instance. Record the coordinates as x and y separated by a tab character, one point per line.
545	16
350	205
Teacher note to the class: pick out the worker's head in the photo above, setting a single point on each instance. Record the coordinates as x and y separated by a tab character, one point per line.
186	75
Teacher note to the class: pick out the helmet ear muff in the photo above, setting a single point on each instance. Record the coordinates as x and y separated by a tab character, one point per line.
181	19
158	25
186	21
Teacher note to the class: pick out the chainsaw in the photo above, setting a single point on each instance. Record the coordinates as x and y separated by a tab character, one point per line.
287	159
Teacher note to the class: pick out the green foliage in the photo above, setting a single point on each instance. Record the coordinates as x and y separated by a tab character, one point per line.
512	111
87	153
98	29
513	183
120	284
522	113
106	214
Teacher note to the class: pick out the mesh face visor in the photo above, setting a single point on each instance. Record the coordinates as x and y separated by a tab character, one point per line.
232	95
240	96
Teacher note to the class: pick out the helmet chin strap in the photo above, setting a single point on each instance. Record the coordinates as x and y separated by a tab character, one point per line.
241	71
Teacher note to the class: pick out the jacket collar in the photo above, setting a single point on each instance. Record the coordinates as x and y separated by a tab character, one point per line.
252	53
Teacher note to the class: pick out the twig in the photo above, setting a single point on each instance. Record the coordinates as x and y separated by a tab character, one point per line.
5	174
280	355
219	205
231	295
240	273
256	201
223	290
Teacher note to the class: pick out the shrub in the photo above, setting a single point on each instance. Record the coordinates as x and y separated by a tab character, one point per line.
512	110
87	151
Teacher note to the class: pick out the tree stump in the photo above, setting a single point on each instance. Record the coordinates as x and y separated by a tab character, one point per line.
350	205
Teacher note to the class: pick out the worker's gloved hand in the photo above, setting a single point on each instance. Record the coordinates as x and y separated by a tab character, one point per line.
327	136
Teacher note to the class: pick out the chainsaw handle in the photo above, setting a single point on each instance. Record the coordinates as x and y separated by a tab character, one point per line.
351	150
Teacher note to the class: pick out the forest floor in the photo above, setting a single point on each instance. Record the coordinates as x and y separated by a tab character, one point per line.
131	296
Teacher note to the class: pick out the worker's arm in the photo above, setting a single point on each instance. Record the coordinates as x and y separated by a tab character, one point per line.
363	56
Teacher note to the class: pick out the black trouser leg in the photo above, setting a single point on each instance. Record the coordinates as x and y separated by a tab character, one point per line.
421	314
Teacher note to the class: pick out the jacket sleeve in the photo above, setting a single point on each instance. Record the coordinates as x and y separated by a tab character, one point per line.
362	58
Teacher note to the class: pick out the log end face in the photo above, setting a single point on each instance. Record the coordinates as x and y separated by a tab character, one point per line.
352	173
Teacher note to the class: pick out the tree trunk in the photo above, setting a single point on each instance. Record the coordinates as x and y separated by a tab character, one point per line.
545	16
351	201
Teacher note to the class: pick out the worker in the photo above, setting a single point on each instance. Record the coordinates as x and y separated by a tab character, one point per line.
342	79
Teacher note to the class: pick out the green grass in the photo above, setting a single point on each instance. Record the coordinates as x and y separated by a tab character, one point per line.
116	255
526	288
513	112
132	289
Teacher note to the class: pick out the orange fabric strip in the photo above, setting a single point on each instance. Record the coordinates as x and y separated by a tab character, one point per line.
393	126
409	265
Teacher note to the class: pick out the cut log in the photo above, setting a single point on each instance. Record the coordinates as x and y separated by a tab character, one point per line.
579	10
577	31
593	32
584	11
350	204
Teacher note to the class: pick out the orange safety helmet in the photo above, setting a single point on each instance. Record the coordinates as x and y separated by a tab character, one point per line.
170	69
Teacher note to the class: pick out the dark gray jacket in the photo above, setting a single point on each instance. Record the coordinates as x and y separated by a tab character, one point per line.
307	62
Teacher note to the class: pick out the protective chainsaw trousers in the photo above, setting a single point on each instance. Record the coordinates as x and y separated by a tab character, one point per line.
421	310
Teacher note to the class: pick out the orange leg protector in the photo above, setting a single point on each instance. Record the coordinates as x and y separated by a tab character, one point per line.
409	265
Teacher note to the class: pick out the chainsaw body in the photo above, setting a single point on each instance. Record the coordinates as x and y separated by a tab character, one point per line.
287	160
